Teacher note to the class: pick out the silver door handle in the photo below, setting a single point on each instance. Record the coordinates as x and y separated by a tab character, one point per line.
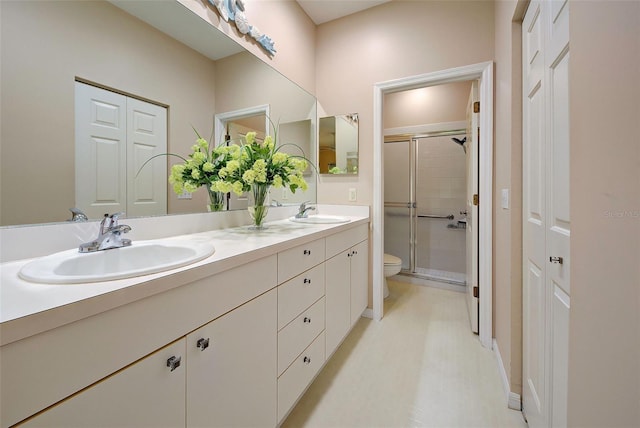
556	260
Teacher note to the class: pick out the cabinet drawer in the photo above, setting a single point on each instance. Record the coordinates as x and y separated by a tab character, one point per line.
296	260
299	333
297	294
297	377
339	242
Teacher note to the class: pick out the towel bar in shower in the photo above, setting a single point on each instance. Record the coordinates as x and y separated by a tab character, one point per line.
448	217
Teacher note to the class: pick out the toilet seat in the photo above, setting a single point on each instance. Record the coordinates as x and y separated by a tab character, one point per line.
390	260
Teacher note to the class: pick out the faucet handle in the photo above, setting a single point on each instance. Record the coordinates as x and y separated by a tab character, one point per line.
116	216
114	219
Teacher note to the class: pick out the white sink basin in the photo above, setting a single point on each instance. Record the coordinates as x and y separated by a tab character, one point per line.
141	258
320	219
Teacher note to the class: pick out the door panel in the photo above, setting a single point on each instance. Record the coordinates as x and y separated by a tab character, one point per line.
398	199
473	168
546	211
533	169
100	151
146	137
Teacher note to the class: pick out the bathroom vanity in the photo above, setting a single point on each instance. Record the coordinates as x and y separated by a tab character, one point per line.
232	340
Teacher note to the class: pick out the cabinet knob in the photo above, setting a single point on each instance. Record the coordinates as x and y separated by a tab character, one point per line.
307	252
307	320
556	260
306	281
307	360
202	343
173	362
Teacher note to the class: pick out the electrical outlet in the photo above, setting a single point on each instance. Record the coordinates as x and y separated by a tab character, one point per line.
285	194
184	195
353	195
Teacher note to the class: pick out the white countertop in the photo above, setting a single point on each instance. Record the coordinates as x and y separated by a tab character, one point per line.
28	308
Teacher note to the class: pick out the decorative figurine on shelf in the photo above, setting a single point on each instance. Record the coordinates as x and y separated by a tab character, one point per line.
234	10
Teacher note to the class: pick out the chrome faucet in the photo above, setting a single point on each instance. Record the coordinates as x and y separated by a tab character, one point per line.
302	210
77	215
110	235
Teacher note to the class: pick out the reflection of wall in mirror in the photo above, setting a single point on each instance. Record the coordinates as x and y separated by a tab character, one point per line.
295	138
346	144
77	40
39	69
327	144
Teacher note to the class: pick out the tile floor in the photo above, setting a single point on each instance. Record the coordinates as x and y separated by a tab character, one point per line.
419	367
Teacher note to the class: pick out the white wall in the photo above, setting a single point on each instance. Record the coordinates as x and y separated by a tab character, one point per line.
604	341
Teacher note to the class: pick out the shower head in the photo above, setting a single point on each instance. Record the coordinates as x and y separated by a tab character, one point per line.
461	142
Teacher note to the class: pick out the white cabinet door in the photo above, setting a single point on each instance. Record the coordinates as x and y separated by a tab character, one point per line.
232	364
359	280
337	299
146	394
346	292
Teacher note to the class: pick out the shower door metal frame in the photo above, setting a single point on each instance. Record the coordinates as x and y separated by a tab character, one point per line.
412	204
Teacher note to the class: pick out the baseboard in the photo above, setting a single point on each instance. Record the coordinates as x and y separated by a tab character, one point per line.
368	313
429	283
514	400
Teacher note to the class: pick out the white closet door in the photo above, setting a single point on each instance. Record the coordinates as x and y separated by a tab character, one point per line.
546	222
115	136
558	217
146	137
100	151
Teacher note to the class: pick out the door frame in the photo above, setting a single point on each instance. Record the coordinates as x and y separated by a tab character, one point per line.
484	73
220	120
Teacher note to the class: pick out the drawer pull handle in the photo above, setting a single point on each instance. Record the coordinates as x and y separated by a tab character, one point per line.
307	252
306	281
307	360
307	320
202	343
173	362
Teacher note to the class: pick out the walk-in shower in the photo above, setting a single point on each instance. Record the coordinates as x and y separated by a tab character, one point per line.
425	188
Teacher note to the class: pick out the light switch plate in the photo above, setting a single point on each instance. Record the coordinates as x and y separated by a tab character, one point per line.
353	195
505	199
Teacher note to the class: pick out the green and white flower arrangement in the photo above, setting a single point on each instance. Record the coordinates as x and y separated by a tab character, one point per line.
252	166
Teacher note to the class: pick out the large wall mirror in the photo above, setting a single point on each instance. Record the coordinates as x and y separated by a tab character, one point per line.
159	53
338	144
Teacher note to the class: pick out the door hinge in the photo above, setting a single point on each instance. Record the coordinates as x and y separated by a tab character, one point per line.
476	292
476	107
476	199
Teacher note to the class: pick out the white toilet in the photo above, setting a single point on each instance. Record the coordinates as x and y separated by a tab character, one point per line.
392	266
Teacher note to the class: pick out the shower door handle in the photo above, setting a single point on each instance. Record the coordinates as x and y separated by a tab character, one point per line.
400	204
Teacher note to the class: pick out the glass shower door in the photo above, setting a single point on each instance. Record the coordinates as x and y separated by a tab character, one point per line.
440	243
399	202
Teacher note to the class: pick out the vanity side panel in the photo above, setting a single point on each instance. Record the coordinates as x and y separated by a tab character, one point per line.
41	370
